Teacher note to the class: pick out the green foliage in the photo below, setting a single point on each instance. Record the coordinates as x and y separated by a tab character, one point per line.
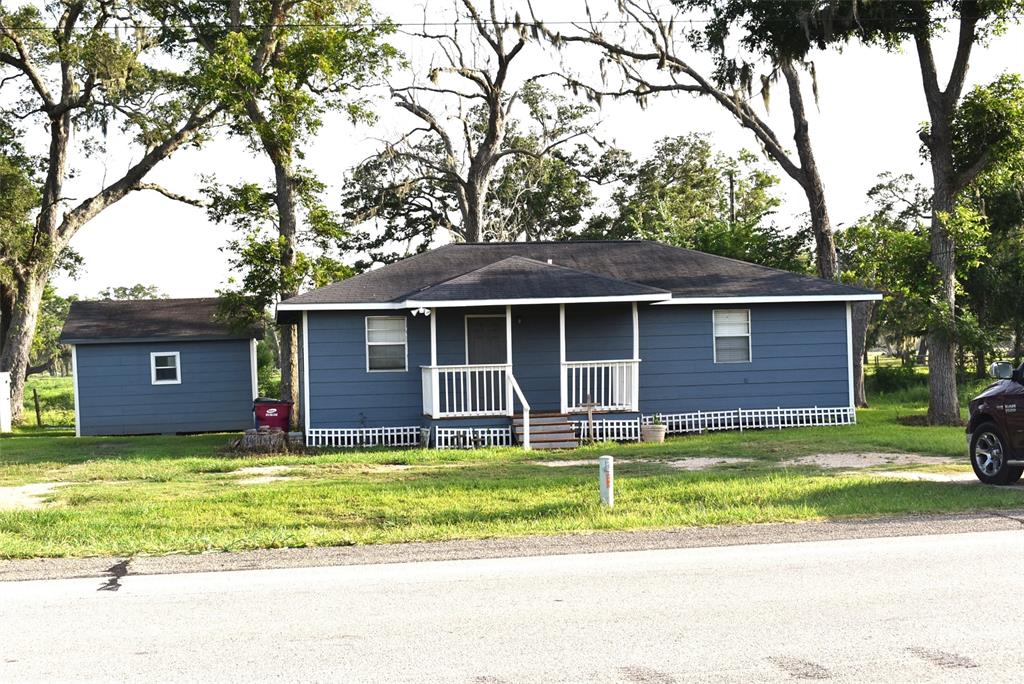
130	292
988	125
681	195
46	347
888	379
258	253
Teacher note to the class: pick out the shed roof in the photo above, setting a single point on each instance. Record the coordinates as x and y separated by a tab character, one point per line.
149	319
687	274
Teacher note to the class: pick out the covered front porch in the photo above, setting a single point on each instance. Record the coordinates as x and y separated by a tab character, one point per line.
508	360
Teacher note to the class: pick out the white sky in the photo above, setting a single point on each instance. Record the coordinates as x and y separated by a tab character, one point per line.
871	105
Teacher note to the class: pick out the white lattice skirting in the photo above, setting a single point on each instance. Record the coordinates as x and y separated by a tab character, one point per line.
617	430
364	437
472	438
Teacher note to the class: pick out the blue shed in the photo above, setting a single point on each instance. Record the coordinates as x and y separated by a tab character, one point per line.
159	366
501	343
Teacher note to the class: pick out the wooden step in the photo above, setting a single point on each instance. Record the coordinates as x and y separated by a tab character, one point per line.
547	427
542	420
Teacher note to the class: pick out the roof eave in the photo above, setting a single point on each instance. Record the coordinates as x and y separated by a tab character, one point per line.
774	299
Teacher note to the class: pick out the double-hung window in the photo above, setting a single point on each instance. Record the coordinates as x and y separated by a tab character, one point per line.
386	343
732	335
165	368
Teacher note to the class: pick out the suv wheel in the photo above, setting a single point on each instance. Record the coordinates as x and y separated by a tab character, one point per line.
988	456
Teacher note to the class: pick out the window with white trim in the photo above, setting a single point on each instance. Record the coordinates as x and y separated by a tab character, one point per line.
386	343
165	368
732	335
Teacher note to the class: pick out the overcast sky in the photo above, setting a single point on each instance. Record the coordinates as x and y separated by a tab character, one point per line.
871	105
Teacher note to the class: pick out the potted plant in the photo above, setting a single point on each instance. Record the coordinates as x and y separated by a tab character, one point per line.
655	431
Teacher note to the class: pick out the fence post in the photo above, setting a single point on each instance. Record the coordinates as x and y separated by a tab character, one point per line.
39	413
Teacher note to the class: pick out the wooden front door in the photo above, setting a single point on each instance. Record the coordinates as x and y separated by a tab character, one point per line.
485	340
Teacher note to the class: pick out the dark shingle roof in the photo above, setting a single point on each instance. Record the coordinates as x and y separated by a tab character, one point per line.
683	272
144	319
520	278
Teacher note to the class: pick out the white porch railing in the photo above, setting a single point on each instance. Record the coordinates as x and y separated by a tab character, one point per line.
601	385
467	390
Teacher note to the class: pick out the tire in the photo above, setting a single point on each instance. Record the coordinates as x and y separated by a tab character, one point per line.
988	456
1015	474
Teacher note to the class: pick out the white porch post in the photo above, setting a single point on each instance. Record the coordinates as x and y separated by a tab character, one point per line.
435	398
636	359
561	359
509	408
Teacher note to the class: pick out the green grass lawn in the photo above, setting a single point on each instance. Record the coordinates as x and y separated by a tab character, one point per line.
178	494
56	404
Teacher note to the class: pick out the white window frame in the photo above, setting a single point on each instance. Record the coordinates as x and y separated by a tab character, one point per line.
177	368
368	344
465	332
715	335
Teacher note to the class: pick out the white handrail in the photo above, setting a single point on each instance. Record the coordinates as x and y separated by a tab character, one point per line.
526	409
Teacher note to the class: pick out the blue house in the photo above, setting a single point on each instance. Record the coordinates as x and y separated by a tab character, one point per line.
545	343
159	366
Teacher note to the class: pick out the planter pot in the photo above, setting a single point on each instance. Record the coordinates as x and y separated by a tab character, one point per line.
653	433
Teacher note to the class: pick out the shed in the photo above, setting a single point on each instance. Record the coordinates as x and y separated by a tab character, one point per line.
158	367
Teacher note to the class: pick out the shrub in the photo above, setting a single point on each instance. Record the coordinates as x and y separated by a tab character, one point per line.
894	379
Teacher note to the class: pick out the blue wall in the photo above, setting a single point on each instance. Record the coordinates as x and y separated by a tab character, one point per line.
799	359
342	394
116	395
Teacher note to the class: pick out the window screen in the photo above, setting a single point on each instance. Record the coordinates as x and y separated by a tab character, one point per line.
732	335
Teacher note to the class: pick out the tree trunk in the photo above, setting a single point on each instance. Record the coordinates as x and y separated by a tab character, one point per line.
814	189
922	350
287	229
8	297
980	371
861	313
19	339
943	400
473	214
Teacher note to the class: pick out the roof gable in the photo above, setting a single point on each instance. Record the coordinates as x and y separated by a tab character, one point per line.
519	278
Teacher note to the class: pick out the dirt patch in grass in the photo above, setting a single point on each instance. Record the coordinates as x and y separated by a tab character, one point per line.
919	420
262	474
26	497
869	459
963	478
695	463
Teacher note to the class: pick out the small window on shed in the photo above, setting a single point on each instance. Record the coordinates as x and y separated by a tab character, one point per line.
732	335
165	368
386	343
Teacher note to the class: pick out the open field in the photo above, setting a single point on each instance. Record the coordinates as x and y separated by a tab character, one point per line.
122	496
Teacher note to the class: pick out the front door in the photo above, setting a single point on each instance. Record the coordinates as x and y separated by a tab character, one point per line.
485	340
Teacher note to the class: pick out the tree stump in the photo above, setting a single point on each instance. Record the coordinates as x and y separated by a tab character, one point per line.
262	441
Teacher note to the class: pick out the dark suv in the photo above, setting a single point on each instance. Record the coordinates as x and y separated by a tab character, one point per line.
995	432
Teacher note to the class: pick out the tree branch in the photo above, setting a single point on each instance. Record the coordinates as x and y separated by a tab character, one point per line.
172	195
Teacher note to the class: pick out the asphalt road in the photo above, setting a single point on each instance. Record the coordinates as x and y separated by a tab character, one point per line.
918	608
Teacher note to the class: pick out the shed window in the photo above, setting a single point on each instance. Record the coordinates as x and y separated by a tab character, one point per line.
386	343
732	335
165	368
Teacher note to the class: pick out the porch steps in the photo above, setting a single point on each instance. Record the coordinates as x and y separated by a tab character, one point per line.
547	431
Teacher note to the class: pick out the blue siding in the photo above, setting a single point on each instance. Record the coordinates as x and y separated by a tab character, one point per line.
117	397
342	393
799	359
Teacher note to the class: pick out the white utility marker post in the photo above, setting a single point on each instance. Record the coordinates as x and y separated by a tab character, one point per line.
606	480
